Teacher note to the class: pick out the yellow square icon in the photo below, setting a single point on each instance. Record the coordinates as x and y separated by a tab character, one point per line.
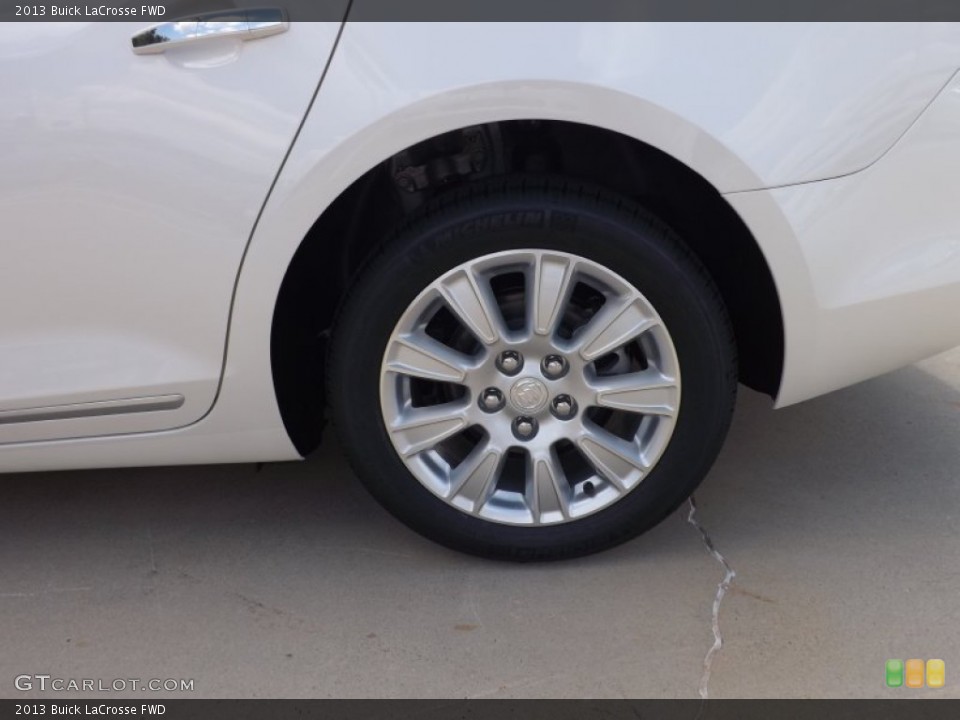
936	673
914	673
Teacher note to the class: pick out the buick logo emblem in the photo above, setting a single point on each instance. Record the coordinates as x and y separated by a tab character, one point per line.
529	395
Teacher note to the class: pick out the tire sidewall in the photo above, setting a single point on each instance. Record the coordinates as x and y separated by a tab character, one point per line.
643	252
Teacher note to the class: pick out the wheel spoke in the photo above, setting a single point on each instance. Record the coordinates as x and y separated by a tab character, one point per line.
617	323
474	305
423	357
420	429
613	458
552	280
648	392
547	493
473	481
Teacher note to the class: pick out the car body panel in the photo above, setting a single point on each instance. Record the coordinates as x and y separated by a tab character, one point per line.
129	189
370	107
747	105
878	255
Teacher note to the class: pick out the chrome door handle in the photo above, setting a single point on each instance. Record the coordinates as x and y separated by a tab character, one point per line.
242	24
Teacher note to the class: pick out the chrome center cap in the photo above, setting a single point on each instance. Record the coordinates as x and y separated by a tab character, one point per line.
528	395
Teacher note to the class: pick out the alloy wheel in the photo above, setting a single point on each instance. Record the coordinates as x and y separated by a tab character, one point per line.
530	387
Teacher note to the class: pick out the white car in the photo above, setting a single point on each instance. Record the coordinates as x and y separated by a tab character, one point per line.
525	265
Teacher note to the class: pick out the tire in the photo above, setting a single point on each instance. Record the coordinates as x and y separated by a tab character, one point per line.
501	475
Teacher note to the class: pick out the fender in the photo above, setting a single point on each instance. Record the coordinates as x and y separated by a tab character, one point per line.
760	116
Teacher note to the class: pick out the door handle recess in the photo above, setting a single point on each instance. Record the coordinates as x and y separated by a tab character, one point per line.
242	24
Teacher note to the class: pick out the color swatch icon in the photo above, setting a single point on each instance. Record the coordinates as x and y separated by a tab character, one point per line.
914	673
911	673
894	673
936	673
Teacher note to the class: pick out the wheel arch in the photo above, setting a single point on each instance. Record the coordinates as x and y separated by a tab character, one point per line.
333	249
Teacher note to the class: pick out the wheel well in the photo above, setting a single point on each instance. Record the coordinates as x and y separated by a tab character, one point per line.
352	226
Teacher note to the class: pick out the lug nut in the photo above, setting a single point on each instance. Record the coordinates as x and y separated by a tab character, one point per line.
491	400
563	407
524	428
509	362
554	367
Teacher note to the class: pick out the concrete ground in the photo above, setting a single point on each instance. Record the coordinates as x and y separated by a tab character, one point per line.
838	516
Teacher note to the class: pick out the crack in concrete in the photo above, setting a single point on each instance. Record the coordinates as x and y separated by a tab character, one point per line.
722	587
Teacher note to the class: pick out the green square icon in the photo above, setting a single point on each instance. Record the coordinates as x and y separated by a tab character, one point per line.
894	673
